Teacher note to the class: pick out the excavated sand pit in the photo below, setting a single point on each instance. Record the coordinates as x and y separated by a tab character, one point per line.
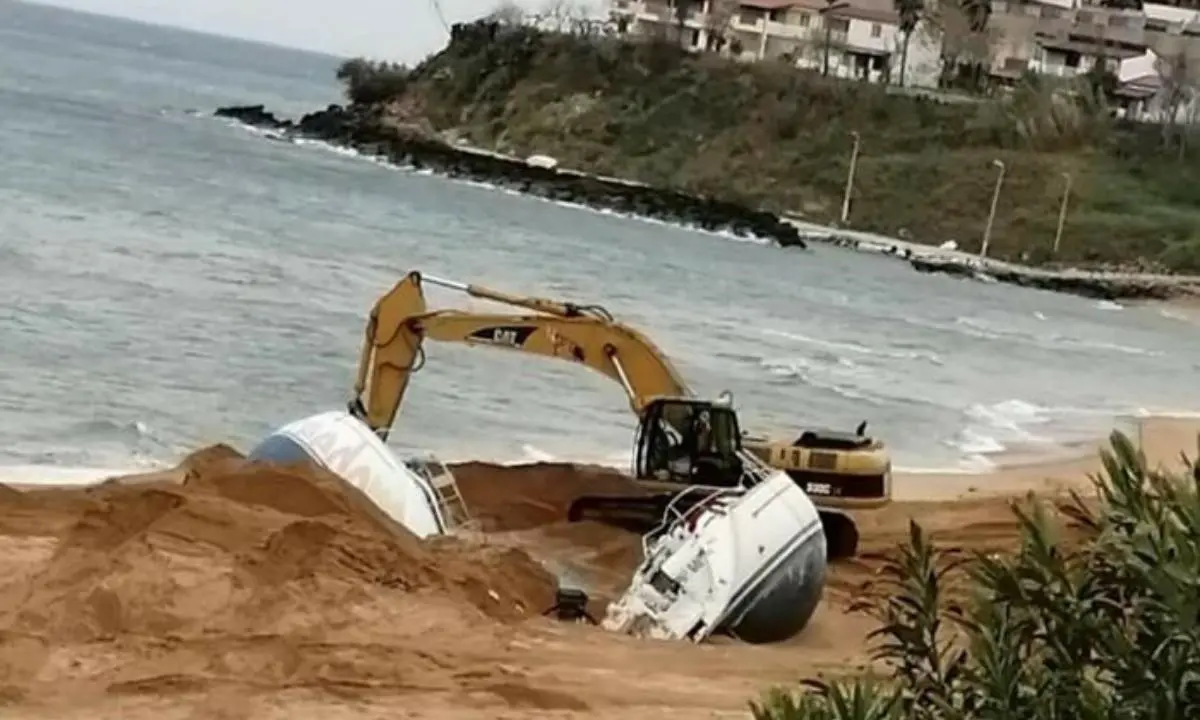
225	590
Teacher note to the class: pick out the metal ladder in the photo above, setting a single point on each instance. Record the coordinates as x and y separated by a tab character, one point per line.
451	505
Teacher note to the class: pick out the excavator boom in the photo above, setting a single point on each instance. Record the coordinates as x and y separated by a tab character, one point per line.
400	321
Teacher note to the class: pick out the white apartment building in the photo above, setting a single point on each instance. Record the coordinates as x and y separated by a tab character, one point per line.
1171	32
1068	38
862	38
1065	38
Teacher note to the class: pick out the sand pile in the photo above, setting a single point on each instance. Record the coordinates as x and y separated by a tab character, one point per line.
237	551
528	496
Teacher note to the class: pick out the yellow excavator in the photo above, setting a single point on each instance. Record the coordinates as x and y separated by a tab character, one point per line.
682	441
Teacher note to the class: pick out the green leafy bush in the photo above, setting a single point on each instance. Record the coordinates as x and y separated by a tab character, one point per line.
1097	616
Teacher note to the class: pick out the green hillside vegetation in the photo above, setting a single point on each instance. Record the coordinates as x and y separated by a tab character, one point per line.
770	135
1097	617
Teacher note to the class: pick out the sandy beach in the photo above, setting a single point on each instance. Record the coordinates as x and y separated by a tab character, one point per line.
206	592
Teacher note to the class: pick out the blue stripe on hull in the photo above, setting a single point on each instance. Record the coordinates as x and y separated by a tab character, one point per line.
778	604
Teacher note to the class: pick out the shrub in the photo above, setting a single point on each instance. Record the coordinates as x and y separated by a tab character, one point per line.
366	82
1094	617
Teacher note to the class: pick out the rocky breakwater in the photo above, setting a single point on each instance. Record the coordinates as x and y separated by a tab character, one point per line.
1098	285
370	131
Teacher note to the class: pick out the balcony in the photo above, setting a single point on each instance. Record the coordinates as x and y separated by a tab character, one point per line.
1109	27
788	30
1070	40
1054	69
646	12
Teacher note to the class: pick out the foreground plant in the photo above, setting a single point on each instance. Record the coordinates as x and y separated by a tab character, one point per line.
1103	624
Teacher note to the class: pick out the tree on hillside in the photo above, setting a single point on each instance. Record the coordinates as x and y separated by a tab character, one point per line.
575	17
910	15
1179	98
961	28
507	13
683	11
1101	80
1093	617
716	23
978	13
366	82
826	13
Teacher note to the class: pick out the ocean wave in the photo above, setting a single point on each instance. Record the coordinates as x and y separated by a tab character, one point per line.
1018	426
982	330
873	383
95	443
1054	341
63	475
837	377
892	353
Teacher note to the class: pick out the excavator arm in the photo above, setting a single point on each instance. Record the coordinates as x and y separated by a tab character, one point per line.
400	321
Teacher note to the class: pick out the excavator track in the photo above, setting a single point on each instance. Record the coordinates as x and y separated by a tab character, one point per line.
642	513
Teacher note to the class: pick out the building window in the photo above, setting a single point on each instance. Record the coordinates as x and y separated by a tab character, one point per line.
804	19
750	17
876	30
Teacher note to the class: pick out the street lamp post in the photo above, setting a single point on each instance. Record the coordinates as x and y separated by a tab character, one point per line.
830	6
987	230
850	178
1062	211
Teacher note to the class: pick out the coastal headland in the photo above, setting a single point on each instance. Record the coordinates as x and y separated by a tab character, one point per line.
370	131
643	127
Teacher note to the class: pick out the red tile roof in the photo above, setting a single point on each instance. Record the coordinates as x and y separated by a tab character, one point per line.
872	10
768	4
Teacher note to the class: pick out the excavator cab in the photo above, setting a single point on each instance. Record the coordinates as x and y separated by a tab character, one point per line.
689	442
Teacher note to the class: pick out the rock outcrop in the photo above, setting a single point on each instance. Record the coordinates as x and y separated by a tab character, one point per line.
371	132
1098	285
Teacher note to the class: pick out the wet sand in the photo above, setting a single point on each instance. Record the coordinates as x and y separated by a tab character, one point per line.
205	592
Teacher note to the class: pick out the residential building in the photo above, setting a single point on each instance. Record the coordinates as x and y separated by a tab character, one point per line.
664	17
1056	38
1173	30
1061	38
1184	4
1150	85
858	39
1067	38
